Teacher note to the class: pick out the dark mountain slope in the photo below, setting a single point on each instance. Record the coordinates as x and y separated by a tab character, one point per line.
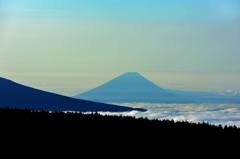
15	95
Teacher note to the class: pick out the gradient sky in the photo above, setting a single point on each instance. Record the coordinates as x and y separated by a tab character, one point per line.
70	46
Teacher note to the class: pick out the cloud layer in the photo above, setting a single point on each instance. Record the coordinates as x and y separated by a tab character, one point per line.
224	114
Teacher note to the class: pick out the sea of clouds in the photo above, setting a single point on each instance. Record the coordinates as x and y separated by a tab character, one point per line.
224	114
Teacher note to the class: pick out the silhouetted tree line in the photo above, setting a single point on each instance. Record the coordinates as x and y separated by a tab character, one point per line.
94	119
108	133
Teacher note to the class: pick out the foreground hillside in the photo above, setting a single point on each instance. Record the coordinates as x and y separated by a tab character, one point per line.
14	95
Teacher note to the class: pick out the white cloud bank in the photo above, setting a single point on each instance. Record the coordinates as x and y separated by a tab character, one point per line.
224	114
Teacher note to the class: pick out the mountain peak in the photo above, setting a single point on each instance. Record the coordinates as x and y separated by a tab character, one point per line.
132	73
129	87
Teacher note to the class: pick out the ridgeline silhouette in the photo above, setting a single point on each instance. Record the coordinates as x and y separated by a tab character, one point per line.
15	95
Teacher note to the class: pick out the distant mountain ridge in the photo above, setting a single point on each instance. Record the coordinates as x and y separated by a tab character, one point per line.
14	95
131	87
207	97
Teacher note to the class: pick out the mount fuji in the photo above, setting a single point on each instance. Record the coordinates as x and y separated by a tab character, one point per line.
131	87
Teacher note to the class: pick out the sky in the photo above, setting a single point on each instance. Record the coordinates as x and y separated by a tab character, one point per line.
71	46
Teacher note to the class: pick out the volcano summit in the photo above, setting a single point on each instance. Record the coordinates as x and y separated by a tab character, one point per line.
131	87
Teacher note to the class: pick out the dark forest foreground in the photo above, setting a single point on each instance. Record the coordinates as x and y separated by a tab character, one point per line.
107	133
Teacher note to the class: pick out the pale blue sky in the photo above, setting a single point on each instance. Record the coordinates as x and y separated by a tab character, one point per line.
70	46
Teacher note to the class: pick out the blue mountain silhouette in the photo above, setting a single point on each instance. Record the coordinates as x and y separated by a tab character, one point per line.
14	95
131	87
207	97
